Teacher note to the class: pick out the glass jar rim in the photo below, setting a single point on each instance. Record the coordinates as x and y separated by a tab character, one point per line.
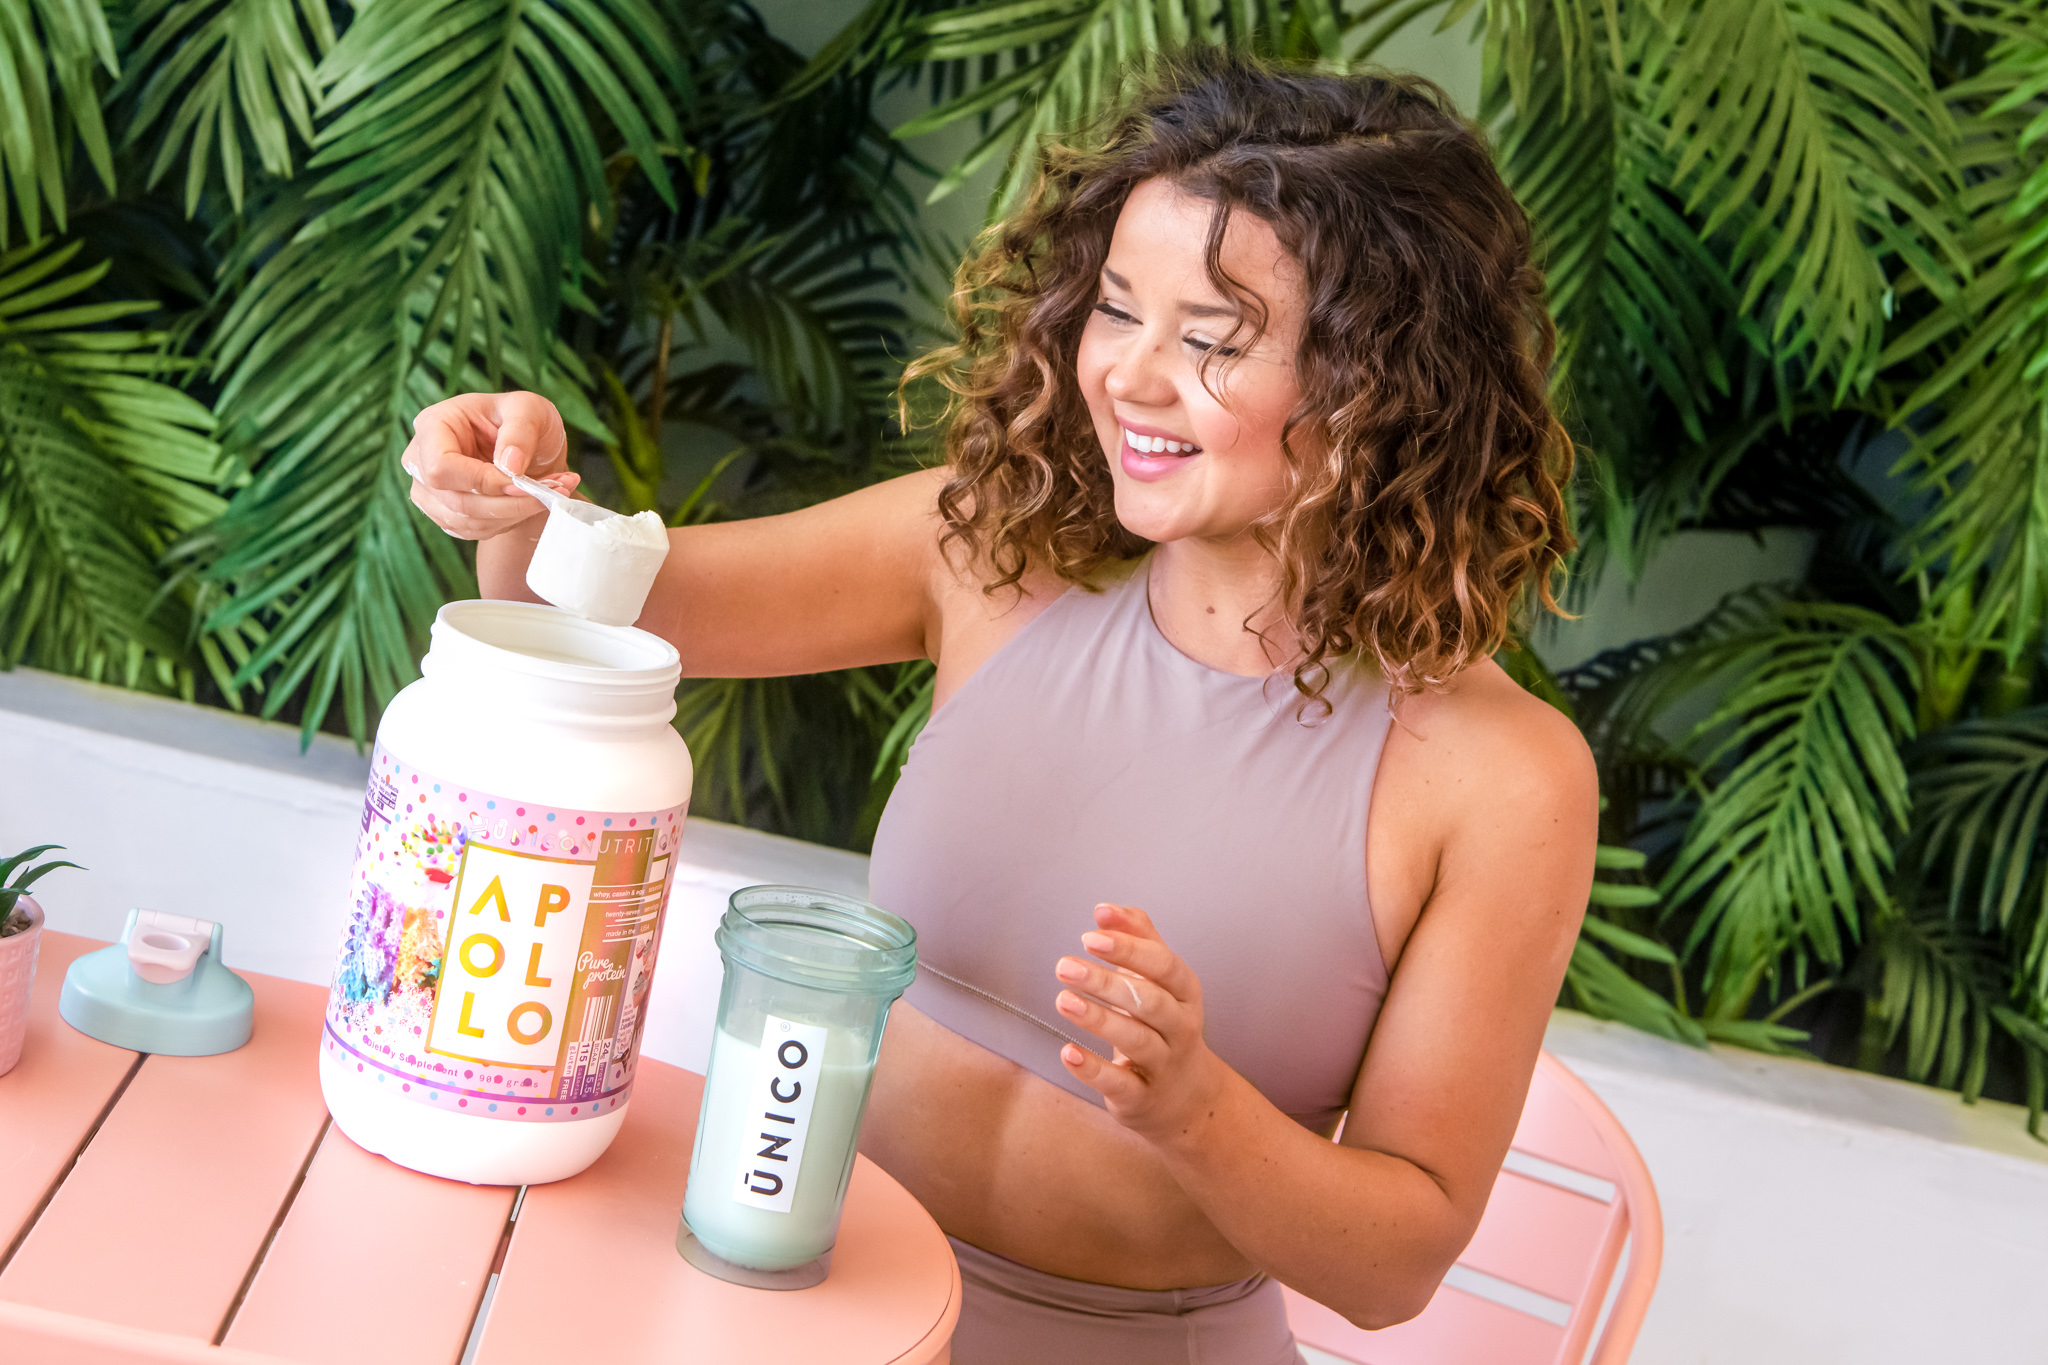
822	939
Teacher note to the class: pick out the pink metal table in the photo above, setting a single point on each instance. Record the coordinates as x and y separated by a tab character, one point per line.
203	1209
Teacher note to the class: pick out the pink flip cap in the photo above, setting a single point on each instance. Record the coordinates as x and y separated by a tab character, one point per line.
164	948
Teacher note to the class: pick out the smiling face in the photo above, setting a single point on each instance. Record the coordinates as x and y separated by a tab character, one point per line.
1188	463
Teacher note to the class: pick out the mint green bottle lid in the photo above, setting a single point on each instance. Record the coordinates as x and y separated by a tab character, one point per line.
162	988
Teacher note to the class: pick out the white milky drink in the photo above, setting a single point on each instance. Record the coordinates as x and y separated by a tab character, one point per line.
775	1147
809	979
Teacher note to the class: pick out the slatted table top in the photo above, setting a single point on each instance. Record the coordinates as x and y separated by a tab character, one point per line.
204	1209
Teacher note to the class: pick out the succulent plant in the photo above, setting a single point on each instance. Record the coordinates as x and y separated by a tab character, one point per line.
15	884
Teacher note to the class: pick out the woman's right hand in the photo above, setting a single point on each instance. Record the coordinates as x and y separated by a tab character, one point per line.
457	446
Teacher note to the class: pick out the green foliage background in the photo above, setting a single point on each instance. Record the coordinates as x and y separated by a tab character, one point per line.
1798	253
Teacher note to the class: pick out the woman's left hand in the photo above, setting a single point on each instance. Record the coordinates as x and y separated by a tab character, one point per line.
1147	1005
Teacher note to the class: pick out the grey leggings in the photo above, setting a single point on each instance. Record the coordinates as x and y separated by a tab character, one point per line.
1011	1314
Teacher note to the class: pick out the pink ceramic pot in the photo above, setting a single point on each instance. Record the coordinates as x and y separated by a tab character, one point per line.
17	975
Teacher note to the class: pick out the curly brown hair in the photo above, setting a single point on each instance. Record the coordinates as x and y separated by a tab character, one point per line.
1425	462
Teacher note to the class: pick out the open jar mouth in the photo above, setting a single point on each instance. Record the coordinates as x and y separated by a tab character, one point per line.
819	939
526	637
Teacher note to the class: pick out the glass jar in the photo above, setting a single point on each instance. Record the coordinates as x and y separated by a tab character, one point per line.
809	978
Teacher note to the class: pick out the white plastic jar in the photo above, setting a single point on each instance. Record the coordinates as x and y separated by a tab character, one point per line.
525	801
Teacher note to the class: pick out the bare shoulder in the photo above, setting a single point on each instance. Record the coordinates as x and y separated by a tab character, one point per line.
1486	850
1484	737
1489	795
972	621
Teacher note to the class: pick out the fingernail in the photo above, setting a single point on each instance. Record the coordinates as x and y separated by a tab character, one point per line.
1070	969
1071	1055
1097	943
1069	1003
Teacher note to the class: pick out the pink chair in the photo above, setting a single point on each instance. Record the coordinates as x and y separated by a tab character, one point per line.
1530	1287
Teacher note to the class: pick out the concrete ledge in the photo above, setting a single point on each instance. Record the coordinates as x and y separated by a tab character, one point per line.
1813	1215
159	722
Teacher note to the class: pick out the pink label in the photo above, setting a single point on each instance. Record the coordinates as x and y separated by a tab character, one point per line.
498	951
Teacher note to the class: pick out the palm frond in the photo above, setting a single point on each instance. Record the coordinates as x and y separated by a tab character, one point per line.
1944	987
1596	983
1797	831
1030	69
1066	60
214	79
322	554
1981	792
827	349
430	255
100	463
1619	695
1984	457
1760	1035
1528	42
1557	151
459	148
914	692
821	780
1812	131
1601	987
804	143
820	341
49	52
764	303
1638	299
806	305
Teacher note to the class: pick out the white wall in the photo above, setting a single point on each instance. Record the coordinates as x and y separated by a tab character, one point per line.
1814	1216
1689	576
1819	1216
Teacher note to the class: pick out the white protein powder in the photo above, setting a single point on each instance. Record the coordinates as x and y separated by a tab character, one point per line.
596	563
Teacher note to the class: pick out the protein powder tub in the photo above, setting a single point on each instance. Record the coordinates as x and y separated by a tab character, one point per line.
526	796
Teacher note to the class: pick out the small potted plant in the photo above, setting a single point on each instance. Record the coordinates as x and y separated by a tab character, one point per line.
21	934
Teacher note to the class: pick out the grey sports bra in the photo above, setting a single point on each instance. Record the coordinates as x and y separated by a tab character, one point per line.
1088	760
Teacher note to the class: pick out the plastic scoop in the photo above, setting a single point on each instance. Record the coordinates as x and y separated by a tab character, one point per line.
593	562
534	488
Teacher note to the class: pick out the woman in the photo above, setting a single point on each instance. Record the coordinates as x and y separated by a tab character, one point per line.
1225	826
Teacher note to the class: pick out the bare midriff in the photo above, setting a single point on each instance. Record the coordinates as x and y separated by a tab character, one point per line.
1019	1167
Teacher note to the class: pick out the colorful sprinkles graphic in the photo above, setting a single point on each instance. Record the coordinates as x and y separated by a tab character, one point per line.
417	830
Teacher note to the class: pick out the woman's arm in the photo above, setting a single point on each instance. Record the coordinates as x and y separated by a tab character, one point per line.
847	582
851	581
1369	1227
